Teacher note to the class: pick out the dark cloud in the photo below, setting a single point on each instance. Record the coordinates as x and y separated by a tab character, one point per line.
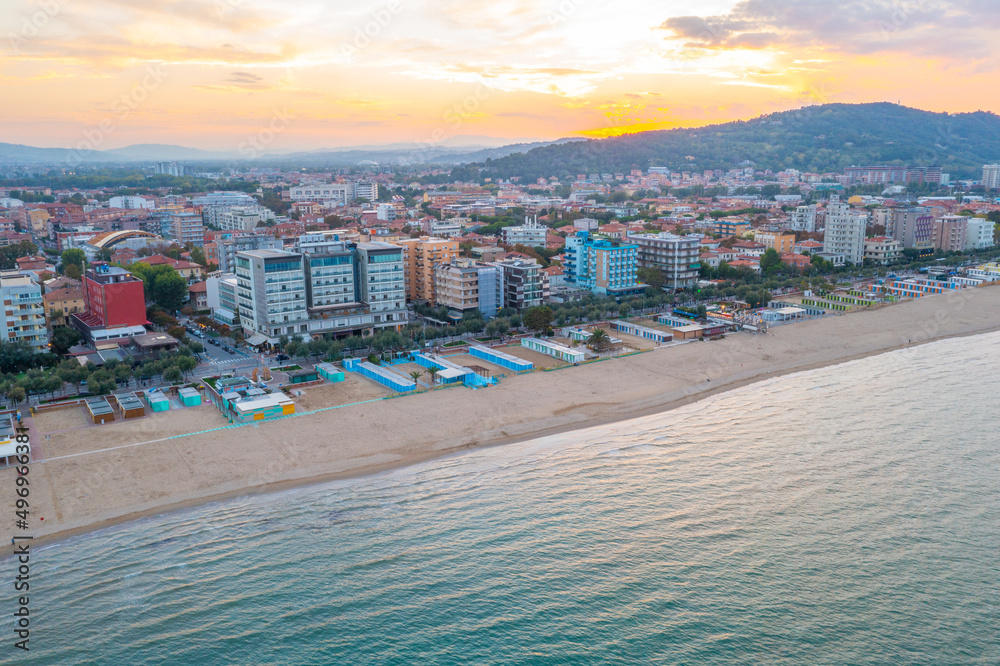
925	27
245	78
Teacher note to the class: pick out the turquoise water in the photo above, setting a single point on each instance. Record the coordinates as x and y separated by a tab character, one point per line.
848	515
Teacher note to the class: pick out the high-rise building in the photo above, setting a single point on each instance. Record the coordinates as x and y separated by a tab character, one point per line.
186	227
914	228
775	240
950	233
676	256
239	218
420	256
222	300
227	248
115	305
271	294
523	283
606	267
381	283
530	234
844	232
464	285
329	286
991	176
980	235
24	311
803	218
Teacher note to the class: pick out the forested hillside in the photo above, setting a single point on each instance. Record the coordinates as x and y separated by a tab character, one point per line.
814	139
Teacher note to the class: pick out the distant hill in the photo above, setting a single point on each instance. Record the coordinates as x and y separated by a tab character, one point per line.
503	151
815	139
166	153
443	154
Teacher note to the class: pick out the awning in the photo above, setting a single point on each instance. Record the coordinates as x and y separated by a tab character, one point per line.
257	339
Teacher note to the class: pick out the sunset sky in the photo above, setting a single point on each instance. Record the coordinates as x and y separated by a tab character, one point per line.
211	73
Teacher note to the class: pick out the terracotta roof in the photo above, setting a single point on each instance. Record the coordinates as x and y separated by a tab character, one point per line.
64	294
198	287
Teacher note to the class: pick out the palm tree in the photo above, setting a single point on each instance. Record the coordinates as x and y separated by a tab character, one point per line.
433	373
599	339
416	374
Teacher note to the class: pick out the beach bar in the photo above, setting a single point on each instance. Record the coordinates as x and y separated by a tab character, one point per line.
554	349
502	359
100	411
302	376
190	397
448	372
157	400
257	405
653	334
330	372
130	406
8	441
383	376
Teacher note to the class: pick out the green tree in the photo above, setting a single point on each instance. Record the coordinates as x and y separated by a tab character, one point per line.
294	348
599	340
63	338
162	284
652	276
72	257
123	373
538	318
416	375
173	375
16	394
770	262
198	256
187	364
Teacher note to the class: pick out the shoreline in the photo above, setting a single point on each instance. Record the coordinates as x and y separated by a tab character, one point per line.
716	376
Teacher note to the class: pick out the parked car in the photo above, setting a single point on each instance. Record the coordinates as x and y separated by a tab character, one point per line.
284	357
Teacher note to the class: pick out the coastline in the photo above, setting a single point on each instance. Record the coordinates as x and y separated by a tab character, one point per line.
102	489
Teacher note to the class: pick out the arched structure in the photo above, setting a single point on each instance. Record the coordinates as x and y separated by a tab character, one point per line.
112	238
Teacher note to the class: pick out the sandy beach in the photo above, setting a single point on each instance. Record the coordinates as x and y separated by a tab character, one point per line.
85	477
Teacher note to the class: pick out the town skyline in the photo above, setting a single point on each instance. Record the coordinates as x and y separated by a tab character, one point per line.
378	73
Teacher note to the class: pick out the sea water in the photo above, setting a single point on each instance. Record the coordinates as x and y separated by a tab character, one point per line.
846	515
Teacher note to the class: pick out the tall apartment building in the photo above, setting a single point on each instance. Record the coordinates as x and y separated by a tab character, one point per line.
914	228
329	286
335	194
221	291
991	176
530	234
676	256
845	232
464	285
883	250
803	218
420	256
381	283
185	227
523	283
239	218
602	266
775	240
224	199
980	235
950	233
24	311
271	294
227	248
